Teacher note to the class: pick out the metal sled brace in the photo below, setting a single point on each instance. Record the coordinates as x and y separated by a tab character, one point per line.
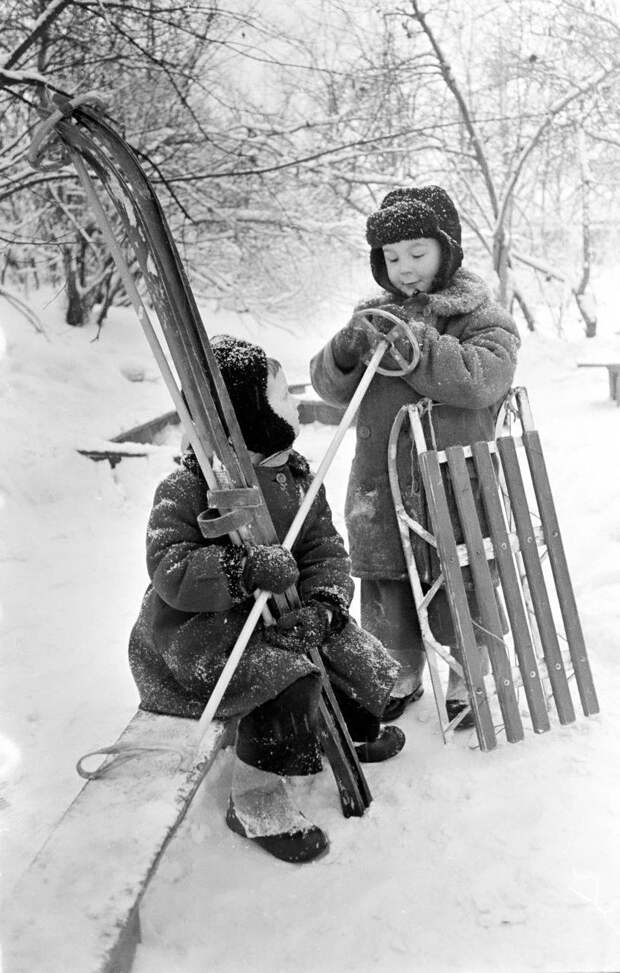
514	560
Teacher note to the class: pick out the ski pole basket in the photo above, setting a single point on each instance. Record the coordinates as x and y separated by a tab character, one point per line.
493	538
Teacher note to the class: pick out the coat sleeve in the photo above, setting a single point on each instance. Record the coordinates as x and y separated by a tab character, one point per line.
322	559
472	371
329	381
186	571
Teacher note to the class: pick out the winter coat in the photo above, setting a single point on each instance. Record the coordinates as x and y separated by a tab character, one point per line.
468	346
195	606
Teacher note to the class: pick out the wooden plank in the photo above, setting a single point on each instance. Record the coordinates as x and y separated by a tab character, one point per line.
76	907
511	587
536	580
457	599
559	567
146	432
112	456
485	593
313	410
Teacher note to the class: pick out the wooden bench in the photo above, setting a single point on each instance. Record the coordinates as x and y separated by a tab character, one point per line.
76	907
613	371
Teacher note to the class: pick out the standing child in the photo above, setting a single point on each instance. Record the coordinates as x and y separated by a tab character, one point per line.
468	347
201	594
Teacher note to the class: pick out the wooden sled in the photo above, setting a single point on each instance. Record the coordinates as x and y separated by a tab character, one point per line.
96	865
544	647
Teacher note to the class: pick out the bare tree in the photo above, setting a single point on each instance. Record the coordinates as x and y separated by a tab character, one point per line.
270	140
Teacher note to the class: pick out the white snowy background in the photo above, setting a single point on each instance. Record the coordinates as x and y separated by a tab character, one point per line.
466	861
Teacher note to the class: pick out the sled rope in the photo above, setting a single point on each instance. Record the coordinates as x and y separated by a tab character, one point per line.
120	753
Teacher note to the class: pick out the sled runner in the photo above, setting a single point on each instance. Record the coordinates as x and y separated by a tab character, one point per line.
504	545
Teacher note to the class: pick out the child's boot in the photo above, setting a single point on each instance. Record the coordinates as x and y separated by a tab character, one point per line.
389	741
260	809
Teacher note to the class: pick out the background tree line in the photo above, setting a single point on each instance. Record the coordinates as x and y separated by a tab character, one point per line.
270	129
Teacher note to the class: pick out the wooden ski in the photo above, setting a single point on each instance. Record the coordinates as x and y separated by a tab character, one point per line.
199	394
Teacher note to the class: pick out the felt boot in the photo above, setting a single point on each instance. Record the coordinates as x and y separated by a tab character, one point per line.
260	810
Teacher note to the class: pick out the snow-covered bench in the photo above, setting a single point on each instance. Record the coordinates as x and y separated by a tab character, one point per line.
613	372
76	907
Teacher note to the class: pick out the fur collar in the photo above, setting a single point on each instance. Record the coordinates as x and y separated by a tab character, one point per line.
464	293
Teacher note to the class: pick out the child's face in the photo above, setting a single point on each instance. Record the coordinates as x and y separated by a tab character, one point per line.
412	265
281	401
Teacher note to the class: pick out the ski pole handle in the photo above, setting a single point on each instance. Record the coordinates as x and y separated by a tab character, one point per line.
401	329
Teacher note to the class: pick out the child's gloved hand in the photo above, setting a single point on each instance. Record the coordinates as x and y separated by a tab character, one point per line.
350	345
270	567
403	334
300	630
410	310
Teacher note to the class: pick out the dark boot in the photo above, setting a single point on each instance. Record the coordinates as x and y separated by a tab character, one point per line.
396	705
456	706
390	741
377	743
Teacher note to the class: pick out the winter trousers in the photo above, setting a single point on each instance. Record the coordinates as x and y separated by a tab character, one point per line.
281	735
388	612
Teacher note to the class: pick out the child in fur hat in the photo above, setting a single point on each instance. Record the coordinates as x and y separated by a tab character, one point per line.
468	346
200	596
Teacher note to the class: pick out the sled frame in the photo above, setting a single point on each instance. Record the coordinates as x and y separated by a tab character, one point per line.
544	649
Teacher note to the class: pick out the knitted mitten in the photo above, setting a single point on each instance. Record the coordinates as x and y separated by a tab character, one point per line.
270	567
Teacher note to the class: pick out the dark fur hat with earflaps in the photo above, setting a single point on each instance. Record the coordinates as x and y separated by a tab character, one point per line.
245	370
407	214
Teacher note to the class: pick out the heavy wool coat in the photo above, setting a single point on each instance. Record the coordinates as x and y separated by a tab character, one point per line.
468	346
195	606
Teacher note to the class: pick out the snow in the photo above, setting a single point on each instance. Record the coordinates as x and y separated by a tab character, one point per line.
466	861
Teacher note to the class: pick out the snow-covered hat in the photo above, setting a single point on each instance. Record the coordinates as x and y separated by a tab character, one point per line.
406	214
245	370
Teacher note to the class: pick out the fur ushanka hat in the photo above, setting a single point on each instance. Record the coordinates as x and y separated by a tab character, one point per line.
406	214
245	371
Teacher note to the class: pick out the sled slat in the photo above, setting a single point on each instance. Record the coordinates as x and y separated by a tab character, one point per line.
485	593
536	580
559	567
457	598
524	649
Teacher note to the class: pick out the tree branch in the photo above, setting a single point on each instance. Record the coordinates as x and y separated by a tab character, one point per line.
544	125
450	80
49	15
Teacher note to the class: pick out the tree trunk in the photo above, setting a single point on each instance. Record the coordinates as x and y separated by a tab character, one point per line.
525	311
501	263
584	299
77	312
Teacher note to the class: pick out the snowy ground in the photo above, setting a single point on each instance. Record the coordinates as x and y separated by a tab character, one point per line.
504	861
